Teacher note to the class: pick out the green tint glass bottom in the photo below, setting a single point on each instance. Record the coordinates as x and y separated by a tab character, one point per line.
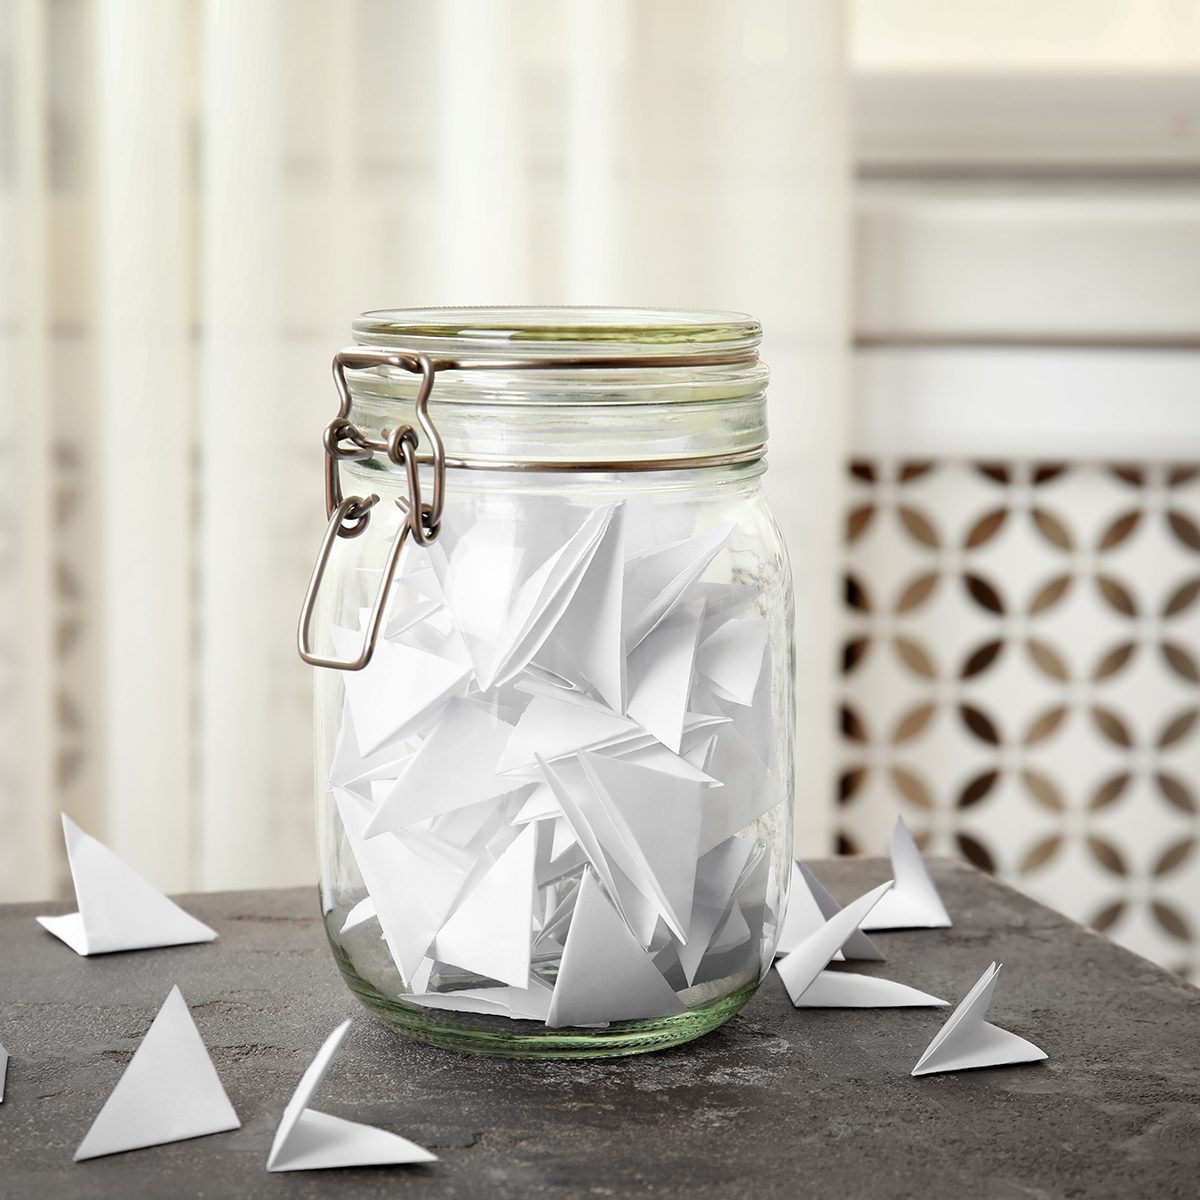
475	1034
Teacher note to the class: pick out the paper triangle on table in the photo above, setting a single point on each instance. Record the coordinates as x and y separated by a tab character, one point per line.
307	1140
809	907
118	909
455	767
491	931
967	1041
397	690
657	579
660	672
412	890
605	974
169	1091
588	640
732	657
811	986
913	903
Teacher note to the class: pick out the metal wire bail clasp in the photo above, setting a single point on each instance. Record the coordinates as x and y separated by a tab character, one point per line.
350	515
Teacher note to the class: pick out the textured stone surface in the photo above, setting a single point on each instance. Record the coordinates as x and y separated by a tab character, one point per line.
778	1103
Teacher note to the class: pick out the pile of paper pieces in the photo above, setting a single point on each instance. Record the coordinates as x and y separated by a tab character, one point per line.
557	775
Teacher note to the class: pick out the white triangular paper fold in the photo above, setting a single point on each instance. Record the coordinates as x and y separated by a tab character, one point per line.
3	1071
308	1140
809	907
717	877
660	671
656	580
530	1003
731	658
811	986
169	1092
455	767
967	1041
551	728
491	931
913	903
118	909
397	690
605	975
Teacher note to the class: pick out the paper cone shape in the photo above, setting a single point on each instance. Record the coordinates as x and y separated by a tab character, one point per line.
118	909
967	1041
913	903
169	1092
308	1140
809	907
811	986
605	974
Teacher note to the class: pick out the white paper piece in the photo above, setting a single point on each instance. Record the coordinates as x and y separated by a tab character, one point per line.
914	902
811	986
552	728
660	672
539	806
491	931
658	819
307	1140
503	624
605	975
809	907
749	790
413	891
169	1092
587	644
118	909
398	689
717	877
360	914
731	658
3	1071
967	1041
530	1003
455	767
656	580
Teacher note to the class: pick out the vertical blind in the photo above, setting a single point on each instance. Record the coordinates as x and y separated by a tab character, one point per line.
196	198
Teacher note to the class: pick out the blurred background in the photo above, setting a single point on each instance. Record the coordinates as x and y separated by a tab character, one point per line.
971	231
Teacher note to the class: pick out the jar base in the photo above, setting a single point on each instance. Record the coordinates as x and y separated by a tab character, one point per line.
472	1034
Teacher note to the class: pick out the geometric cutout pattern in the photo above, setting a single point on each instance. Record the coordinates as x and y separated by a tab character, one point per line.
1020	670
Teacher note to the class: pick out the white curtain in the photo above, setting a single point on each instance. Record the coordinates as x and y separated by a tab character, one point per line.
196	196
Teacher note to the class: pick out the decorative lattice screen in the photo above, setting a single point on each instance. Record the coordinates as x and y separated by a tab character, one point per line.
1021	671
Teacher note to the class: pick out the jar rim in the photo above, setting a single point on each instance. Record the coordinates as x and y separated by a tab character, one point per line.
559	331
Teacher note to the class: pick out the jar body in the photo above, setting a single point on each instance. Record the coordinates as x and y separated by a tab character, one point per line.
555	806
462	810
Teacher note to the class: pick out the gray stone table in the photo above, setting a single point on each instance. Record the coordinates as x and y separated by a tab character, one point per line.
779	1103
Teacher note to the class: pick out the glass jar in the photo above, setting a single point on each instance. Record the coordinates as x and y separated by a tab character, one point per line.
554	719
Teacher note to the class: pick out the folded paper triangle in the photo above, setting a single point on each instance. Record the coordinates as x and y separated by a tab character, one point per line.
491	931
731	658
553	726
3	1071
308	1140
913	903
717	876
605	974
531	1003
169	1092
455	767
810	985
118	909
809	907
660	670
967	1041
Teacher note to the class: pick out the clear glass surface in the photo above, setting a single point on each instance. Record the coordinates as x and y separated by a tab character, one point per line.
498	905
